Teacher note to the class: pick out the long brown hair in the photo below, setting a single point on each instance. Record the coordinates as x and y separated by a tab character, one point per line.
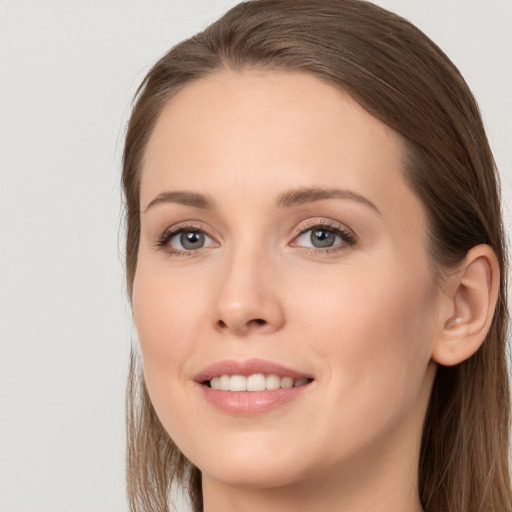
402	78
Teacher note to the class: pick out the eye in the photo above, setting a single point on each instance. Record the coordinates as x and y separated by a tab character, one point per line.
324	237
185	240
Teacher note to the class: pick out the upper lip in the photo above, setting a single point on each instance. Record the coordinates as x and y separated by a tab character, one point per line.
246	368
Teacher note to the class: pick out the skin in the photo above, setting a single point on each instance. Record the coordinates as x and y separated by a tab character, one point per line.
361	318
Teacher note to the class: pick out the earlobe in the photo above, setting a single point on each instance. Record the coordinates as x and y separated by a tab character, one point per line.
472	294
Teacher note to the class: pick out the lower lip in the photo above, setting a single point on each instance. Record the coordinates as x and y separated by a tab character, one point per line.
248	403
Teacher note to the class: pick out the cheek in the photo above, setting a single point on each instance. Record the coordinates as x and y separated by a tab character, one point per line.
168	314
374	336
375	329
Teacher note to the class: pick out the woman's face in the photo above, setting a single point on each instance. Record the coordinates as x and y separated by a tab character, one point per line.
279	240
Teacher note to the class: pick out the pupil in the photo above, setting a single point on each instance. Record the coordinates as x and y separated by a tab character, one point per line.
192	239
322	238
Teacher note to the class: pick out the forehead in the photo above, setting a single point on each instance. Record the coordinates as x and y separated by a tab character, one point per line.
264	130
254	103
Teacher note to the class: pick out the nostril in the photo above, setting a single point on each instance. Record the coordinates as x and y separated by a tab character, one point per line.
255	323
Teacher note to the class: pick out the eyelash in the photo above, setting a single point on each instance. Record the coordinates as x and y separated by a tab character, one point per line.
348	237
167	236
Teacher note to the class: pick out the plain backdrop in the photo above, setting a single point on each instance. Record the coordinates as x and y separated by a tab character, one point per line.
68	71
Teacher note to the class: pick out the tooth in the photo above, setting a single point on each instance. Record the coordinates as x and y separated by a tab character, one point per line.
273	382
224	382
256	382
286	382
237	383
215	383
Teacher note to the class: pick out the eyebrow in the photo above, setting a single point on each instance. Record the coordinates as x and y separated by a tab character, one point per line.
182	197
287	199
311	194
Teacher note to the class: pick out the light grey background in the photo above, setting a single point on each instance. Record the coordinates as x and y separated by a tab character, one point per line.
68	70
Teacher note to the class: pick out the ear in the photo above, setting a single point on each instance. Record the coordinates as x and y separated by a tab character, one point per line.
470	296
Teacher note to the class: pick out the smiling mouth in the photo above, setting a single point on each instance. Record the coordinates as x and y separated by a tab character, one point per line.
252	387
255	382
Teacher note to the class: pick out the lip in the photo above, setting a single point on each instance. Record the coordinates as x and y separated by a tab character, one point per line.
246	368
248	403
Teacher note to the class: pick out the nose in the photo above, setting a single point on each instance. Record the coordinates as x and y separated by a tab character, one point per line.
249	299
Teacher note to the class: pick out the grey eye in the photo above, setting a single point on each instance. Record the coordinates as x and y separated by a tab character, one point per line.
192	239
322	238
189	240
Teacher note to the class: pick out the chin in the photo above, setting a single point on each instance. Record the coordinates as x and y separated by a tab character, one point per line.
252	463
253	475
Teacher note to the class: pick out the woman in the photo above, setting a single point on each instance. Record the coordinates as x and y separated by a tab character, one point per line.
317	270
